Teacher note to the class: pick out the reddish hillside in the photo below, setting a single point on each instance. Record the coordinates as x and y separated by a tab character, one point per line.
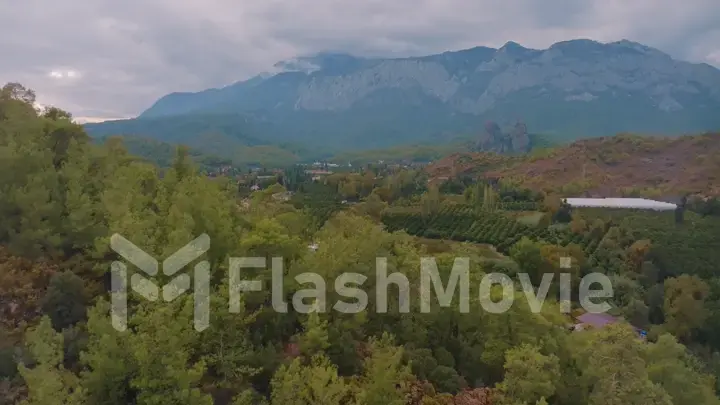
619	165
469	163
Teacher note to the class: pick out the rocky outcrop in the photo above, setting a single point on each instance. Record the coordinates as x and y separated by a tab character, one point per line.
519	138
493	139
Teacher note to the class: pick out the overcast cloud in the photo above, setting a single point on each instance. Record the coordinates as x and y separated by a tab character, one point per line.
110	59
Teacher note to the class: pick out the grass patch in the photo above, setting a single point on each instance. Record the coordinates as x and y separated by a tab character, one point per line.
479	251
529	218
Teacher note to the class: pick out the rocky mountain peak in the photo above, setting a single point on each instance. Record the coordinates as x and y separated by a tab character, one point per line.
580	86
512	46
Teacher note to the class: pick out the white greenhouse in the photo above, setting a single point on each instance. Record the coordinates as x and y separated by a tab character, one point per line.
634	203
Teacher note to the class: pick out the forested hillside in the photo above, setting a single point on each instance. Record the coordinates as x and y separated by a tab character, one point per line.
162	154
431	152
62	197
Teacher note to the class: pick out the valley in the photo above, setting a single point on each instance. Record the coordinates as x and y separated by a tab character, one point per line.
339	163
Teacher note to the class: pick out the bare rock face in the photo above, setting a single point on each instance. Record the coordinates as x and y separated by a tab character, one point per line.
493	139
580	86
519	138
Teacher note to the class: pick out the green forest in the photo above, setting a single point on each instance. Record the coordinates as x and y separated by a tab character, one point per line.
62	196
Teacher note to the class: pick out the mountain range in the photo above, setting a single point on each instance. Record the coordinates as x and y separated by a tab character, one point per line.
334	102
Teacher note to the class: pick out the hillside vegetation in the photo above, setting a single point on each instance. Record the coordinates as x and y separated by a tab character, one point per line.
211	146
432	152
63	197
622	165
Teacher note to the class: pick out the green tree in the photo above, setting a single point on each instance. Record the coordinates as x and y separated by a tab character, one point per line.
616	371
314	339
227	345
163	352
373	206
528	255
18	92
430	202
182	165
108	360
49	383
671	366
383	374
489	199
268	238
685	304
315	384
65	300
529	375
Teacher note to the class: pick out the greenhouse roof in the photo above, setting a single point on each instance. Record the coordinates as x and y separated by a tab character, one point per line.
637	203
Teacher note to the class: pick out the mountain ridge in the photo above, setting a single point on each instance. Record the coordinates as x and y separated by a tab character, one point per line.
327	62
580	87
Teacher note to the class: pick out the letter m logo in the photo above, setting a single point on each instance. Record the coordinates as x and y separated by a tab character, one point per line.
149	290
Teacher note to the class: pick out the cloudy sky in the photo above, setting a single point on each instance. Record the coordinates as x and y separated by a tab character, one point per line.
113	59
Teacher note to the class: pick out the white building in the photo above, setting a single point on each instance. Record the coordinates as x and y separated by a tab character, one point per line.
636	203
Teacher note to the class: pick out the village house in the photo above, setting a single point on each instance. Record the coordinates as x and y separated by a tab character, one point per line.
596	321
319	172
589	320
318	175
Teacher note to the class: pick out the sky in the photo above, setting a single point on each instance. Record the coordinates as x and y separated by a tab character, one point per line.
105	59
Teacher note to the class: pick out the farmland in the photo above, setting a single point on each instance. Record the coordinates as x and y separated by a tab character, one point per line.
691	247
604	235
462	223
318	201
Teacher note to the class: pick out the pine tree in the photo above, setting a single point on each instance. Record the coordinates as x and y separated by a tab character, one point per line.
49	383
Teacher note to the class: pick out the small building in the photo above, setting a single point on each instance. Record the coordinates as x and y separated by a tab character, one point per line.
319	172
596	321
590	320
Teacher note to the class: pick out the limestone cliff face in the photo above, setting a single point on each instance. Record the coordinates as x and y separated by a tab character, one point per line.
577	71
578	88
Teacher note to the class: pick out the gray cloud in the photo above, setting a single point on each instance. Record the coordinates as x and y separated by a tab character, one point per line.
127	54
